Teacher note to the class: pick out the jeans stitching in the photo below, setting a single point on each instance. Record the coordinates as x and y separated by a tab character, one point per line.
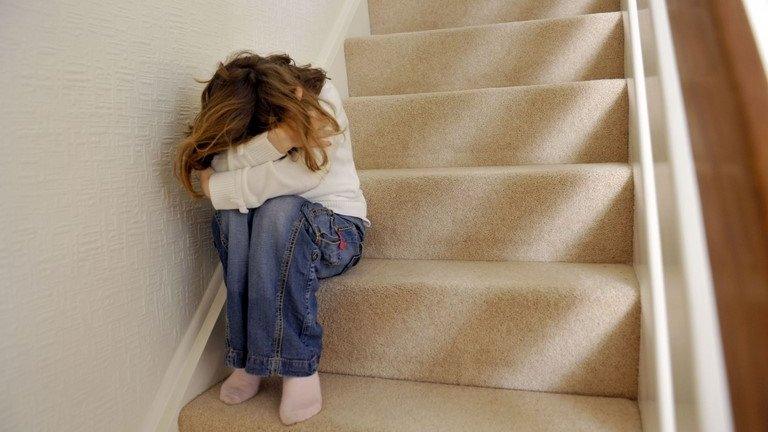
316	210
227	337
307	294
235	358
224	241
263	365
287	258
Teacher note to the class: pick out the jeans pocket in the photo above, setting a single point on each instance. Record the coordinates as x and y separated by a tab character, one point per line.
332	244
349	249
337	237
351	263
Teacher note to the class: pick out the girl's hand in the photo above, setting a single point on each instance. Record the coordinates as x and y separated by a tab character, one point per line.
205	177
282	138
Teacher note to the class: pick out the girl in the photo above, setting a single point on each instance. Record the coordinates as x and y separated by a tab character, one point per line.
272	149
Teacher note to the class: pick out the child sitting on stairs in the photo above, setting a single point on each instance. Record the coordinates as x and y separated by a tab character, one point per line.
273	154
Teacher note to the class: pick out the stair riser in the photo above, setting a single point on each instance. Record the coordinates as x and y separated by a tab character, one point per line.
534	52
388	16
564	213
579	339
572	123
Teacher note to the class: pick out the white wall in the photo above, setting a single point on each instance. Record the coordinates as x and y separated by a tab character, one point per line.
103	258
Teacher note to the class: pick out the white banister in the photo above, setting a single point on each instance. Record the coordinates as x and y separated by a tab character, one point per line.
699	398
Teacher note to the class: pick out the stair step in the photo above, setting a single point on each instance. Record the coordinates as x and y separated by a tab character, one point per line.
392	16
555	327
581	122
373	404
566	213
497	55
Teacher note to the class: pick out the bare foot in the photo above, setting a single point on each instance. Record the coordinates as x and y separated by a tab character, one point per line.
301	398
239	387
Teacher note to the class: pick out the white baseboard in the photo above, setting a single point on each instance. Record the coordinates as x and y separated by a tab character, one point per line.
198	363
355	24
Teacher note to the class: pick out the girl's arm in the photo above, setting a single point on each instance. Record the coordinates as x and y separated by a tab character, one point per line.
265	147
274	144
249	187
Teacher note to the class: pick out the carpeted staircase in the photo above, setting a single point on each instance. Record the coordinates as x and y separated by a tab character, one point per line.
495	293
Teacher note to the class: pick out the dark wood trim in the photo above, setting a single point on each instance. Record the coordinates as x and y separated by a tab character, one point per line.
726	101
751	85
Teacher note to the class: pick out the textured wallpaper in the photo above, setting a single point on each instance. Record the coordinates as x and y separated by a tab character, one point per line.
103	257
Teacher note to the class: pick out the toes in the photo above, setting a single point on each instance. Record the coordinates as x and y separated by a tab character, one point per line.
229	398
289	417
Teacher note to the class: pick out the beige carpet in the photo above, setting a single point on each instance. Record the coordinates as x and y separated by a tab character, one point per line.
420	320
579	122
392	16
496	55
495	293
373	404
570	212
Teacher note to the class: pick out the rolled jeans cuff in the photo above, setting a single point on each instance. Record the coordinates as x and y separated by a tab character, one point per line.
266	366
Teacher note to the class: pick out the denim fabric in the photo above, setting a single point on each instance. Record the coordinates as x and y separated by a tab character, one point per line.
273	257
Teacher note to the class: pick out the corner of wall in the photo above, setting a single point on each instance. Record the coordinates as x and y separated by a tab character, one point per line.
197	363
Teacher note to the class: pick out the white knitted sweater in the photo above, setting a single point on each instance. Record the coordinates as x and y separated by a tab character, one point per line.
255	171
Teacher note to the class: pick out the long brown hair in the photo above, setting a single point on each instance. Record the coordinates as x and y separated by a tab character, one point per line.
248	95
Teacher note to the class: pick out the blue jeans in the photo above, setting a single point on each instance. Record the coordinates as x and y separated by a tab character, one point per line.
273	257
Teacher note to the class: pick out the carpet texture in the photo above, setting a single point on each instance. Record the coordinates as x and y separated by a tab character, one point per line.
570	212
373	404
495	292
430	320
580	122
394	16
497	55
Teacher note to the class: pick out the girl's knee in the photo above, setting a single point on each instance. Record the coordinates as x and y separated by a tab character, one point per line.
282	209
284	201
283	205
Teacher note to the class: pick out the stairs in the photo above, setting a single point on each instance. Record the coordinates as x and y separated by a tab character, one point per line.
580	122
495	293
577	213
495	55
474	324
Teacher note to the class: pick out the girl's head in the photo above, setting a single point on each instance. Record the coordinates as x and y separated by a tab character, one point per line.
249	95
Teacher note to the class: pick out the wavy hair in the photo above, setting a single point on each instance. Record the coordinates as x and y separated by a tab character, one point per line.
248	95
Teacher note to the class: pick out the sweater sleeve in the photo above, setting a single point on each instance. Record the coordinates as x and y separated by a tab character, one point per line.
255	151
249	187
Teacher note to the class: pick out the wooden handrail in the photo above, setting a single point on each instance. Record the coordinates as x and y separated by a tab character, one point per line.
726	100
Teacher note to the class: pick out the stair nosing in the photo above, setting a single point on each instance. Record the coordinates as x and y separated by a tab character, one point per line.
630	287
529	87
473	387
511	169
502	262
